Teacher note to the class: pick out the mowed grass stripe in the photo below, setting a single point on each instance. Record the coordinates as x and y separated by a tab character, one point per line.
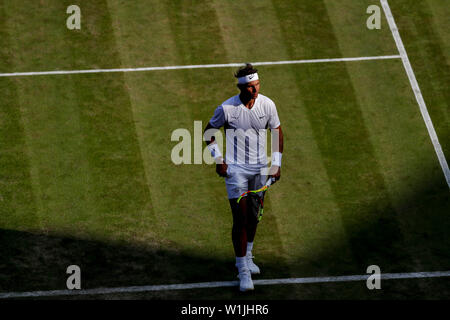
123	201
45	42
440	12
196	43
15	26
17	205
157	112
250	34
142	32
82	146
136	42
347	152
165	102
430	62
30	43
56	153
349	18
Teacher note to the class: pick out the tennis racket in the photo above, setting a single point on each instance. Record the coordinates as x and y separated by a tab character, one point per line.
261	198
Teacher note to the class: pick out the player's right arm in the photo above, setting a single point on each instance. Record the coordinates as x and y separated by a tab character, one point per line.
216	122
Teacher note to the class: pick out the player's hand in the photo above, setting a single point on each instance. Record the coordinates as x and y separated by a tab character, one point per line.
277	174
221	169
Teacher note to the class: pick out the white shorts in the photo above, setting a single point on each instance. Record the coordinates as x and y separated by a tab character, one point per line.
240	181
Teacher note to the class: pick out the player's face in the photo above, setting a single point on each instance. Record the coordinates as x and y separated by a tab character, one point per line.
251	89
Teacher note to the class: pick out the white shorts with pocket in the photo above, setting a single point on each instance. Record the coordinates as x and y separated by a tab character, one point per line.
240	180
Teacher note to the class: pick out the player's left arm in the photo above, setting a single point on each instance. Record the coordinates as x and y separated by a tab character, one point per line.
277	138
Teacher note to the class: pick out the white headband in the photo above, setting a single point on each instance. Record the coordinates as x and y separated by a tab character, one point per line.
248	78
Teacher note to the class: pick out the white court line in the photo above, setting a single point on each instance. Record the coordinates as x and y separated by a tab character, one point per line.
218	284
198	66
416	89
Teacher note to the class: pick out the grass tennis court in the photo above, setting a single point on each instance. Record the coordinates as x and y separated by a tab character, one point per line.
86	176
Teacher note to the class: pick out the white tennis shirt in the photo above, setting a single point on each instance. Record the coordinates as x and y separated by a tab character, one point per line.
245	130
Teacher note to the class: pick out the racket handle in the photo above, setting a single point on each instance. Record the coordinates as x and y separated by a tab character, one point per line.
270	181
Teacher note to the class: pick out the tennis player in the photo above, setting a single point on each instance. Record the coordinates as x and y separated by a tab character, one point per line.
245	118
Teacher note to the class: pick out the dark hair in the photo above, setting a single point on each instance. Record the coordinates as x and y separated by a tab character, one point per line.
245	71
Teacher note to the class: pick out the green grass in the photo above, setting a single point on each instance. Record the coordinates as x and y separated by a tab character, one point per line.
85	170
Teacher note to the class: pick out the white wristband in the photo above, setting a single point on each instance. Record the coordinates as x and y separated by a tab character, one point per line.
276	159
214	149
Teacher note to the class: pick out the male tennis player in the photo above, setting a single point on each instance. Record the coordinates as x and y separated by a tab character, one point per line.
245	118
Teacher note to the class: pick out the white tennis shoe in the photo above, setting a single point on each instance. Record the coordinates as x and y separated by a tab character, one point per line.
245	280
254	269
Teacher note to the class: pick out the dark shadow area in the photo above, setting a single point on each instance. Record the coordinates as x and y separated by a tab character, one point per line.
38	262
32	262
413	237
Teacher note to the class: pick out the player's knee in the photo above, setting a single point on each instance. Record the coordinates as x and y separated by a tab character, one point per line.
240	215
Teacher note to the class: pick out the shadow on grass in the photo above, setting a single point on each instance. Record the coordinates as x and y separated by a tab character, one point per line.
413	237
38	262
420	243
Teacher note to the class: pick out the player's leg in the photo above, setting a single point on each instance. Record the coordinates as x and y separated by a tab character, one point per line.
253	203
239	230
236	185
239	237
251	225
